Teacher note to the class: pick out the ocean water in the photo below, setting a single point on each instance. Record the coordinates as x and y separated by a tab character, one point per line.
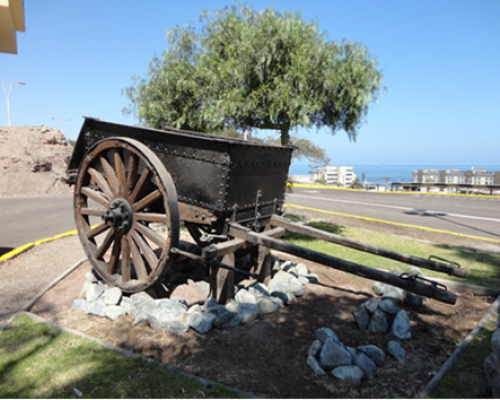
394	173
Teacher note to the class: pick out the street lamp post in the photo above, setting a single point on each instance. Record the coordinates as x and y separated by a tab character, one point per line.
7	96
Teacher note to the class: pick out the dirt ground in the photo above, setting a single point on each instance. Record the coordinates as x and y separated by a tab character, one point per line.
268	356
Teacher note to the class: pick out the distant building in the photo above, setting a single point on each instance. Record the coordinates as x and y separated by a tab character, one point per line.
343	175
11	22
473	177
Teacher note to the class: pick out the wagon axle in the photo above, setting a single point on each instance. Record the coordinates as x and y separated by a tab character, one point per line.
120	215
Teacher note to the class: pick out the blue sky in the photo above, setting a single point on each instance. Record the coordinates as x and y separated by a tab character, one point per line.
441	61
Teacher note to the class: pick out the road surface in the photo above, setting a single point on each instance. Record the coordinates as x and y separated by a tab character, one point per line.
474	216
27	219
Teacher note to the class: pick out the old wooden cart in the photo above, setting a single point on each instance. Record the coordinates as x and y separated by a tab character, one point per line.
228	193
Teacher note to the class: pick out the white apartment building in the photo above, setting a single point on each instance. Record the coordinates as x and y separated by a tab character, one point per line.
474	177
341	174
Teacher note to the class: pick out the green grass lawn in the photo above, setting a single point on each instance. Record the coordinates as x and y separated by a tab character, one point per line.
40	361
483	267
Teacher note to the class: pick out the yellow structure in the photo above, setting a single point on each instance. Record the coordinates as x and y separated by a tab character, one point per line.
11	22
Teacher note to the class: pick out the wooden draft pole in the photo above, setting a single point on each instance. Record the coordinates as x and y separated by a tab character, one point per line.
451	268
413	285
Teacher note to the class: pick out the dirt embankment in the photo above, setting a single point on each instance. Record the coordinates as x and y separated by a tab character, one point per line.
33	160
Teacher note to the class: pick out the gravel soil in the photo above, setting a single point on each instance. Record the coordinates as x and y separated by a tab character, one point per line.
268	356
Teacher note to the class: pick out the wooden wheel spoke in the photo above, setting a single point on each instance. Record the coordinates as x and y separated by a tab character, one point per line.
120	174
96	196
101	182
140	185
152	235
126	270
148	253
94	212
97	230
101	250
151	217
131	174
139	266
110	175
115	254
146	201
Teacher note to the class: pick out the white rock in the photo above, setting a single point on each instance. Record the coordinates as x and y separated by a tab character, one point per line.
303	280
201	322
113	312
83	292
112	296
93	293
301	269
296	287
244	296
286	265
232	305
266	305
195	308
127	303
90	277
80	304
97	308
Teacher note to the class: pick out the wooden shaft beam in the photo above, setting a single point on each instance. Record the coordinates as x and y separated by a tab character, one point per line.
414	286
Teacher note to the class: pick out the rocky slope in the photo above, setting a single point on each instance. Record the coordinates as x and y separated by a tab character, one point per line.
33	160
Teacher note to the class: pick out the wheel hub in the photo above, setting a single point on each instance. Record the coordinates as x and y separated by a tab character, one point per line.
120	215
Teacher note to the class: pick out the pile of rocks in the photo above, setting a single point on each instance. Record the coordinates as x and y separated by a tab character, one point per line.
328	354
176	314
492	363
382	316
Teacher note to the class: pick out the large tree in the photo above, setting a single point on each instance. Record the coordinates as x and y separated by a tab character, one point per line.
247	70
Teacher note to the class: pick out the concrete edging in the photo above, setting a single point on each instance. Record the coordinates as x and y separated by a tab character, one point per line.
127	353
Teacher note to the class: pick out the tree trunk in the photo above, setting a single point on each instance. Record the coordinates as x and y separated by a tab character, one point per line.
285	134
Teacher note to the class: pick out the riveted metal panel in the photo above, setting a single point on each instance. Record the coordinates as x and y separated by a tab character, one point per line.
214	173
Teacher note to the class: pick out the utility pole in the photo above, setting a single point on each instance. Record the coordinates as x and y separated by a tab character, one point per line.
7	96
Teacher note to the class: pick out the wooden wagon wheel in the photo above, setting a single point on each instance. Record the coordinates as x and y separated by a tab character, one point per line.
125	184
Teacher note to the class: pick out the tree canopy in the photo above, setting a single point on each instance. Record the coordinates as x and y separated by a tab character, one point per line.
246	69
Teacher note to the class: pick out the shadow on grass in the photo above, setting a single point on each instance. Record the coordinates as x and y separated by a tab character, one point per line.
324	226
39	361
486	266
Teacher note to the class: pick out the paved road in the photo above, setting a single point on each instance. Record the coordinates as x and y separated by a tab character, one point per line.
24	220
27	219
471	215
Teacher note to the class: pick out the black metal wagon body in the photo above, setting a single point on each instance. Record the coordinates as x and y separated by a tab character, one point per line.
229	193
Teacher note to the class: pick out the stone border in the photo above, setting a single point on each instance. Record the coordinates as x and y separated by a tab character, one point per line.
127	353
486	319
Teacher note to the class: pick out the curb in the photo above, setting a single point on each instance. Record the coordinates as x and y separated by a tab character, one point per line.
453	358
383	221
26	247
481	196
127	353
